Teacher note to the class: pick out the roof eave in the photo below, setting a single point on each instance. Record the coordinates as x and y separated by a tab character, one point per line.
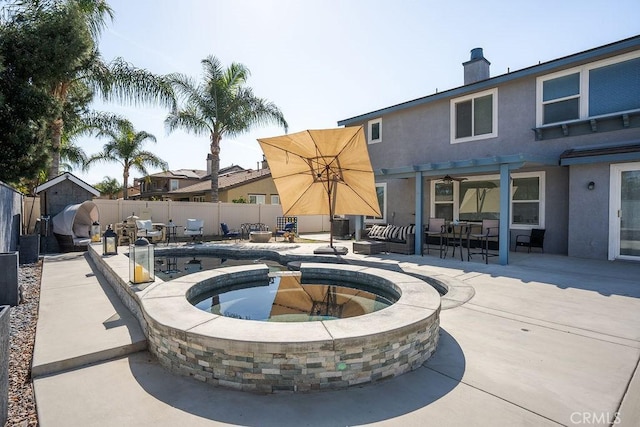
609	49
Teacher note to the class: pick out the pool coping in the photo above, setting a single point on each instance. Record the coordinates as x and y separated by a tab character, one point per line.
192	342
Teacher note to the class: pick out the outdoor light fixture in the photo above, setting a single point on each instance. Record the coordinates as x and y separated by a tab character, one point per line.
95	232
591	185
109	242
141	262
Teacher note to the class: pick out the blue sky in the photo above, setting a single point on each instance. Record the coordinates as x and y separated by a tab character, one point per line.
322	61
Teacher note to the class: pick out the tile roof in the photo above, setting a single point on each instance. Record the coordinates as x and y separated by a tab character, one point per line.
225	181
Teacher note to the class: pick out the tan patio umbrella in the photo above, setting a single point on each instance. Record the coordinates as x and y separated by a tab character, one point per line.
323	172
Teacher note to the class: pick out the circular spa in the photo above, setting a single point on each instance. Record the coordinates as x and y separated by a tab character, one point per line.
290	355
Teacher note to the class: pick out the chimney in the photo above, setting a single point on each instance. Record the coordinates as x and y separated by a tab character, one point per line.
209	160
265	165
477	68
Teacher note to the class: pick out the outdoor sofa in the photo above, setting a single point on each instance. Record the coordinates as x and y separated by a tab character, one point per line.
399	239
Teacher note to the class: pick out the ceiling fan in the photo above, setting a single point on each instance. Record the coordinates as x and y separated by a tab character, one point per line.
447	179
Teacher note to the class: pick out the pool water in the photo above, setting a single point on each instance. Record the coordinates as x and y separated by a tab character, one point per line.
283	298
171	267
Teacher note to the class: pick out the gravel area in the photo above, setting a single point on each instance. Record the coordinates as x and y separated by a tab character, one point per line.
23	319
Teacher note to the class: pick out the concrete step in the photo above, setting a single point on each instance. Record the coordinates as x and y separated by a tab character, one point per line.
81	320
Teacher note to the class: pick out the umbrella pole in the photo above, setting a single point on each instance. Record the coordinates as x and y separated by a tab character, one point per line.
330	188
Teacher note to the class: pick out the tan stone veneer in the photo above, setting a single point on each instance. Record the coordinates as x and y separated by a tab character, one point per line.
270	356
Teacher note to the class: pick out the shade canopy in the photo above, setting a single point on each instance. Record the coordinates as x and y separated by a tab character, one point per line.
323	172
76	220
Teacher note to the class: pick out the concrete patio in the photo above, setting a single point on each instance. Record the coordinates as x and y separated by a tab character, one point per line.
545	340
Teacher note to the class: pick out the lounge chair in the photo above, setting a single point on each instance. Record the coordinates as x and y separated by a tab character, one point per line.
226	232
533	240
490	232
436	228
194	228
145	228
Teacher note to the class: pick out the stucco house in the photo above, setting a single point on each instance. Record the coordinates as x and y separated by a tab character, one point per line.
250	186
553	146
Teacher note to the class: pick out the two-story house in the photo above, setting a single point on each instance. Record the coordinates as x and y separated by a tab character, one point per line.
553	146
157	186
248	186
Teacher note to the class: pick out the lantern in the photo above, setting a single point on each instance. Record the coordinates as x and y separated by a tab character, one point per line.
141	262
95	232
109	242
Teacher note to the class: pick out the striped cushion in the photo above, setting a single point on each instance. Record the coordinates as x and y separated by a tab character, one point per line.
376	230
404	231
391	232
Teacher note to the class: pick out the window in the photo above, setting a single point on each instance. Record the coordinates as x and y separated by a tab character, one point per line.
275	199
614	88
443	200
173	184
374	131
381	190
198	198
257	199
596	89
474	116
527	200
561	98
478	198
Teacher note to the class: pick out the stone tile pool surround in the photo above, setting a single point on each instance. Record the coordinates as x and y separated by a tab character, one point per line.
269	356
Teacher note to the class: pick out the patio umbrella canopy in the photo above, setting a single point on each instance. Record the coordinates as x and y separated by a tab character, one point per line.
323	172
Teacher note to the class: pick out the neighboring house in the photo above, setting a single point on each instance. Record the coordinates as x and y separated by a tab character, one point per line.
553	146
251	186
157	186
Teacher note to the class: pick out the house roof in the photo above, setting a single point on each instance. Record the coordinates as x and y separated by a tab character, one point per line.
67	175
225	181
181	174
629	151
546	67
192	173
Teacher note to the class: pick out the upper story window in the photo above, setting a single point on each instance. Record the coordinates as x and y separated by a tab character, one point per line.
595	89
275	199
173	184
374	133
474	116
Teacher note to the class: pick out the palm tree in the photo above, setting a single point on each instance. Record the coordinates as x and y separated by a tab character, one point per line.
219	106
124	146
115	81
109	187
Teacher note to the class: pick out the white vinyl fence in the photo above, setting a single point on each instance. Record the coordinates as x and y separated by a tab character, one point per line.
234	214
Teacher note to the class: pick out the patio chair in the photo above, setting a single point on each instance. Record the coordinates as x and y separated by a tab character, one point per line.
436	228
194	229
226	232
533	240
289	227
490	232
145	228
